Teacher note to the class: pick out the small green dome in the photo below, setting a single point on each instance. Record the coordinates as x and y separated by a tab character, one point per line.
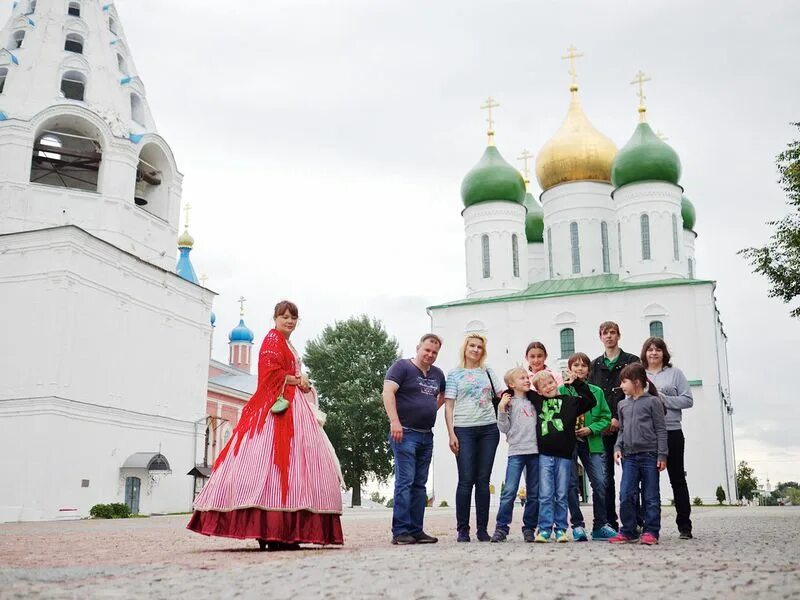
688	213
492	179
645	158
534	221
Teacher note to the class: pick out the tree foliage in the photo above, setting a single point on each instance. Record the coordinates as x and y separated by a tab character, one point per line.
779	260
746	481
347	363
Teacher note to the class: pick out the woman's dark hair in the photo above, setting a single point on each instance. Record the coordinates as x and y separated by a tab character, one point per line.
284	305
636	372
538	345
661	345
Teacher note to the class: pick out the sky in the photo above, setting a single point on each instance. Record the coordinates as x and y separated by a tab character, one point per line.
323	146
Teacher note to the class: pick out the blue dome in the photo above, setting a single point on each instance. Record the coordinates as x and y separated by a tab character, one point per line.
241	333
184	267
213	318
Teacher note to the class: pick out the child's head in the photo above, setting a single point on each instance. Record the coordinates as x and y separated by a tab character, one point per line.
634	382
536	354
609	334
545	384
579	364
518	380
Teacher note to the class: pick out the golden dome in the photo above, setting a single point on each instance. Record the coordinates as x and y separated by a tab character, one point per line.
185	240
577	152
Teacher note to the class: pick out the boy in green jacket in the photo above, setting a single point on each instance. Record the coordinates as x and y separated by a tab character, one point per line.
591	451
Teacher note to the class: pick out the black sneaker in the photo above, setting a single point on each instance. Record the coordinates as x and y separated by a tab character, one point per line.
686	535
463	536
499	536
529	535
483	536
404	539
424	538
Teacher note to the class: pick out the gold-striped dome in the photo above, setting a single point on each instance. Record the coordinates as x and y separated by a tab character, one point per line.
577	152
185	240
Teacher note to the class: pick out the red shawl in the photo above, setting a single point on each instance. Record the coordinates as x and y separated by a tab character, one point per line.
275	362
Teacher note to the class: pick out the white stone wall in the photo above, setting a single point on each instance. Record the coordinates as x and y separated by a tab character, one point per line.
537	263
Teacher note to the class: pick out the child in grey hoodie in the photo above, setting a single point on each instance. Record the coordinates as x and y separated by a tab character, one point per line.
642	447
516	417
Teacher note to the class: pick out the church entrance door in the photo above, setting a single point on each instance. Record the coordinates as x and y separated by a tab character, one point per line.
132	487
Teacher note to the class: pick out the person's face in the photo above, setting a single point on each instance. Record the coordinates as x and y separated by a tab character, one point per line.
536	359
547	386
474	349
521	383
655	356
580	369
427	352
286	323
610	338
628	387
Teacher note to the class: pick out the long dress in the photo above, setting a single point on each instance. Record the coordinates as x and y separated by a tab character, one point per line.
277	479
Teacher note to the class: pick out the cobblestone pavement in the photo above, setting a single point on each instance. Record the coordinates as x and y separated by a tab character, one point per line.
737	553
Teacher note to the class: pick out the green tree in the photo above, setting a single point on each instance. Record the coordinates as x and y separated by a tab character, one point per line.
780	489
746	481
779	260
720	494
793	495
347	364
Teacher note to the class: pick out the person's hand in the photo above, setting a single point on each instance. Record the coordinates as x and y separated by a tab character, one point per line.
505	400
454	444
617	456
568	377
661	464
305	384
396	431
583	432
614	427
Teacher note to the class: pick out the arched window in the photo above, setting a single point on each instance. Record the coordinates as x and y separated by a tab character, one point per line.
153	181
3	75
74	9
675	247
691	269
16	40
73	85
645	226
487	272
67	155
112	25
122	64
604	244
74	43
657	329
515	254
137	109
550	253
619	243
574	242
567	342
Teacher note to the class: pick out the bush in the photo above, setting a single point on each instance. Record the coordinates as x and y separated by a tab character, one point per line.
720	495
115	510
390	503
698	501
377	498
443	504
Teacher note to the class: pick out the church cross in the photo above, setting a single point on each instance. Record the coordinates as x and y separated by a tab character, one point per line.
571	55
241	302
488	106
186	210
639	79
525	157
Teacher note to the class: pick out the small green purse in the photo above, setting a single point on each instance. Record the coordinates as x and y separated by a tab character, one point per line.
281	404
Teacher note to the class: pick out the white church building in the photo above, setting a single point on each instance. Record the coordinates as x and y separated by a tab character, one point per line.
105	348
610	239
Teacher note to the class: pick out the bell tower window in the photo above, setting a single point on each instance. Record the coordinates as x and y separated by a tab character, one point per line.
73	85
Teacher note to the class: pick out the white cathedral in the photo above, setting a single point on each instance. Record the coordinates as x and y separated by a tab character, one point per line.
105	348
611	239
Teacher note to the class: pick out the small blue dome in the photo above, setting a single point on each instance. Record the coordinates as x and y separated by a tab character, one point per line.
241	333
213	318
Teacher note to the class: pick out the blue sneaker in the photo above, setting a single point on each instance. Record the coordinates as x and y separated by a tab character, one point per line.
579	534
561	536
606	532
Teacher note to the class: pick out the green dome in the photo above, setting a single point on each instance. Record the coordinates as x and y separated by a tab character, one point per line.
492	179
534	221
688	213
645	158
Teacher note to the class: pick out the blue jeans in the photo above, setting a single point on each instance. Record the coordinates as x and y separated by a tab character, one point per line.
554	476
412	458
596	471
640	468
530	513
475	458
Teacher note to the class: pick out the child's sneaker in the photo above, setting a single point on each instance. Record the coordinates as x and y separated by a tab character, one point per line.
499	536
529	535
605	533
542	537
561	536
648	539
621	538
579	534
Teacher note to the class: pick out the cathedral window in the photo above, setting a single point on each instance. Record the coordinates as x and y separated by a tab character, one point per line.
515	254
550	253
74	9
487	272
619	243
645	227
137	109
73	85
67	155
657	329
604	243
575	246
567	342
691	269
675	247
74	43
3	75
112	25
122	64
16	40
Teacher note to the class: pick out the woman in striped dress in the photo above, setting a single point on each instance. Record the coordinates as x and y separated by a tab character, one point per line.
277	479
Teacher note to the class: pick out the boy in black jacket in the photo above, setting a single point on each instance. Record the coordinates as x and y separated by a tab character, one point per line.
555	432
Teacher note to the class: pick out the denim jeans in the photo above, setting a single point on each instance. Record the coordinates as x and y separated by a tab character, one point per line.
640	468
476	450
530	512
554	476
412	457
595	469
611	496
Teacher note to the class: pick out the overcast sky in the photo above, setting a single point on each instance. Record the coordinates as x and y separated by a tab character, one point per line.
323	146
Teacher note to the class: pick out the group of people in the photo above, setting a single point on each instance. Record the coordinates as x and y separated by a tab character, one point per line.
278	479
618	408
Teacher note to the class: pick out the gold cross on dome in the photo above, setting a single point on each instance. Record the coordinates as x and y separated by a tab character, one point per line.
571	55
241	302
525	157
186	208
488	106
639	79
